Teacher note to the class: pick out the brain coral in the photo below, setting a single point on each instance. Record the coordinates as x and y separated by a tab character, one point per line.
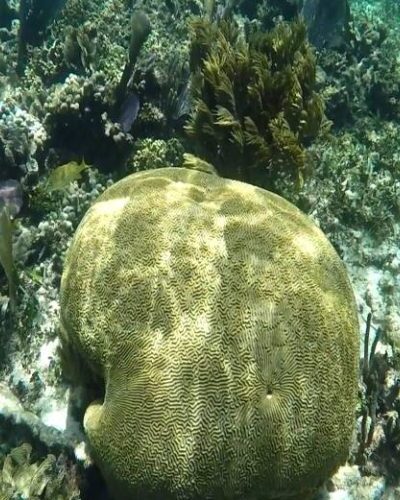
224	327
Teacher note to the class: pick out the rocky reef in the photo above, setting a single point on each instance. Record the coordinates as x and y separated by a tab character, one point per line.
92	91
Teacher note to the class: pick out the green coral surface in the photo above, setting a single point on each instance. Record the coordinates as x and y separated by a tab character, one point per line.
224	327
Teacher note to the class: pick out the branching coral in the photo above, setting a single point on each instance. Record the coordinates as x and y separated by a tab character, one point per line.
364	79
157	153
255	104
268	10
34	16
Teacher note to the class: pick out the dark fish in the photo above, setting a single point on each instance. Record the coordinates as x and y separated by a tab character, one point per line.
129	111
182	108
11	196
326	22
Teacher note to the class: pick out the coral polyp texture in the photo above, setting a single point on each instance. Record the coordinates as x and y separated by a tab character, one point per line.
224	327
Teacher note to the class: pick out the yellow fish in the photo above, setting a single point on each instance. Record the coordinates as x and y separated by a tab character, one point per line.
62	176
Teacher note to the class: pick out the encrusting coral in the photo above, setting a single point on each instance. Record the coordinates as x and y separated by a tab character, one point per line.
224	327
255	104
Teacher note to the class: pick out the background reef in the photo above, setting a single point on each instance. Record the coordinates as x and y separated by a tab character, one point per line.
121	86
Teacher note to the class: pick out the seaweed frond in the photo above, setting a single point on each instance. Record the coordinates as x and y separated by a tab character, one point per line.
255	105
6	256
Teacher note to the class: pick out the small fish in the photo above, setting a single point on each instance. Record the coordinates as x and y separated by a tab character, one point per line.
11	196
62	176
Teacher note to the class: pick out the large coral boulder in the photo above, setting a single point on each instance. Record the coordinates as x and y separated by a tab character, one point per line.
225	329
